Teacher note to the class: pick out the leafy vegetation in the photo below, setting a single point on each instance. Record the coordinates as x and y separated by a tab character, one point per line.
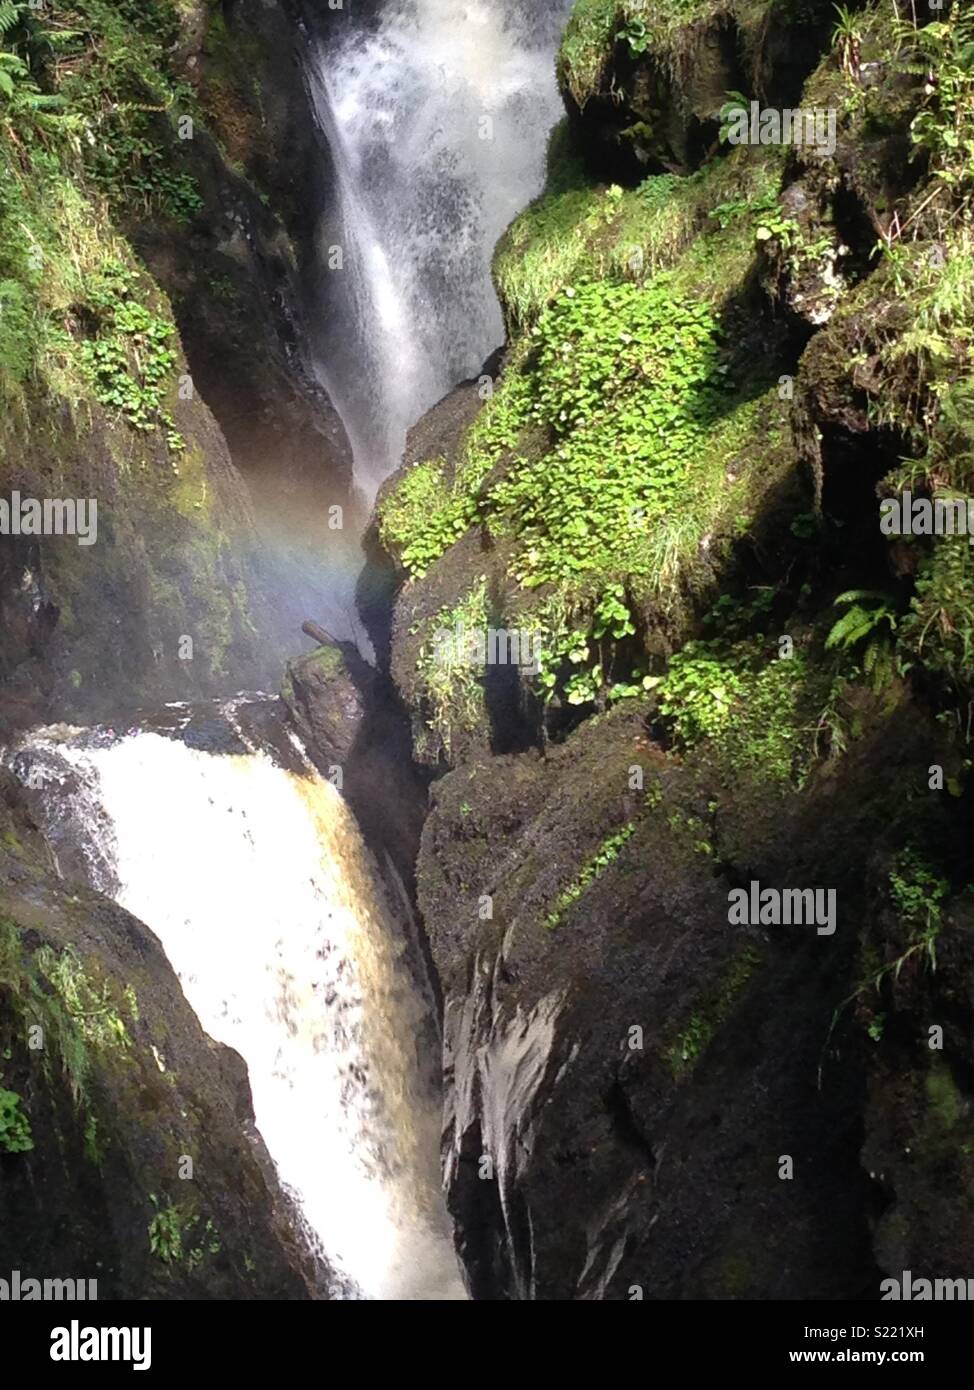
165	1232
176	1235
917	891
944	127
626	383
939	629
428	511
580	230
78	1013
596	26
130	362
89	128
15	1134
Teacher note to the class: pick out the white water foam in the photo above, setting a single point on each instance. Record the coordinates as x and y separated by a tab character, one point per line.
257	883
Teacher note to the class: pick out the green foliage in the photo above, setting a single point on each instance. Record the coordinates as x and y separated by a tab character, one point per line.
135	170
10	14
578	662
945	125
626	383
869	618
23	105
770	734
736	101
876	1027
587	45
15	1135
636	36
759	709
428	511
130	363
938	632
16	332
74	321
583	231
176	1235
92	1005
104	82
602	458
847	40
606	854
165	1232
698	691
421	518
917	890
79	1014
596	26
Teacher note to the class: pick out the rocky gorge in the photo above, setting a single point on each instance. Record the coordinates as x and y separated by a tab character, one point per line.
718	359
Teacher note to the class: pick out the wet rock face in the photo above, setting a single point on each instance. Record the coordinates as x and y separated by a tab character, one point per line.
623	1088
239	277
163	604
135	1162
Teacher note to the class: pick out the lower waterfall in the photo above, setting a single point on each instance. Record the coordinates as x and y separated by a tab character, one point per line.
251	870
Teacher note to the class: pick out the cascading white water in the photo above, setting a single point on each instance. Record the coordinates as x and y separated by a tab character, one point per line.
437	121
257	882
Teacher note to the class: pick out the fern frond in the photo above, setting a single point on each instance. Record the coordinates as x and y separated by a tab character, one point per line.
10	13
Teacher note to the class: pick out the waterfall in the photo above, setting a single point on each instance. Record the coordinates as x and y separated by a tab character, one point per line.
251	870
437	122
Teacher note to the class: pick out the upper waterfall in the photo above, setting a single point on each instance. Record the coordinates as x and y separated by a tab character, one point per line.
437	121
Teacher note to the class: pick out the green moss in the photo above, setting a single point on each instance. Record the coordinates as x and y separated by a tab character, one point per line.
758	708
593	869
948	1107
770	734
329	661
682	1055
580	230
